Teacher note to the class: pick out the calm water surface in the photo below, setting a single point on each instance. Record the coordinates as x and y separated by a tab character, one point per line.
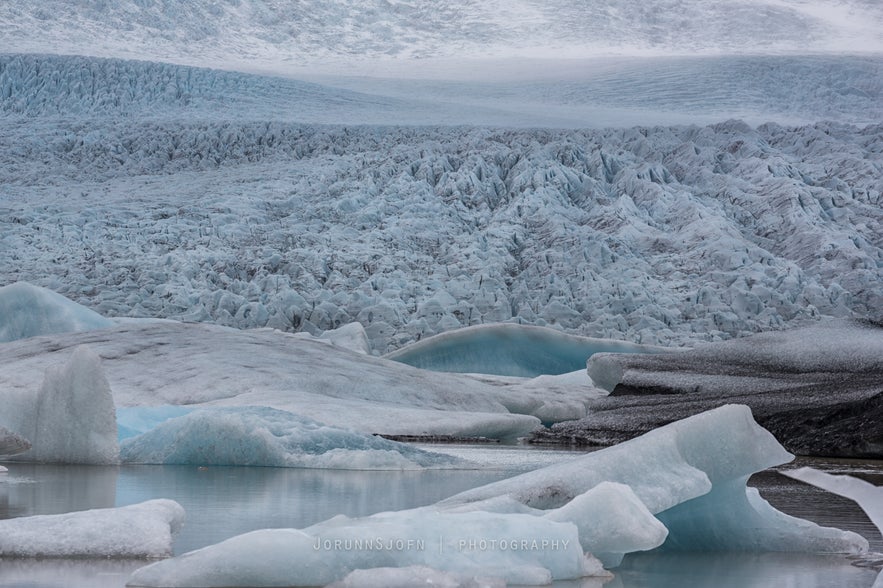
224	501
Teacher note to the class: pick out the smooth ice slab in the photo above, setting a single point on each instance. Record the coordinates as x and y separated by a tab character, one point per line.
30	311
414	576
692	474
261	436
138	531
509	350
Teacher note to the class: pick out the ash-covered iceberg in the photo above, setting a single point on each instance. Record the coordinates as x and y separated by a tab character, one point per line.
29	311
72	418
142	530
817	388
262	436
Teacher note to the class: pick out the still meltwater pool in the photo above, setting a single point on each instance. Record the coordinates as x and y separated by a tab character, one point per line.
226	501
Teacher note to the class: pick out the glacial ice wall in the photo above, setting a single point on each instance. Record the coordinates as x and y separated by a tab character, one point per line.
654	235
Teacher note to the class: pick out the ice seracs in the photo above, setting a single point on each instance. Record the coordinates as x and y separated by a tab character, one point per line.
142	530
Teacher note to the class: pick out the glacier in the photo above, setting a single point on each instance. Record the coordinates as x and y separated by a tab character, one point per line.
261	436
817	388
692	474
142	530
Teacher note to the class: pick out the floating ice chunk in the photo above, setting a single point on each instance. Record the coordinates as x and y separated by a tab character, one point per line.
73	419
414	576
261	436
509	350
692	475
136	531
868	496
3	470
10	443
30	311
519	548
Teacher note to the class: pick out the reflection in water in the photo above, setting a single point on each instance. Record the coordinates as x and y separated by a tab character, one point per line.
739	570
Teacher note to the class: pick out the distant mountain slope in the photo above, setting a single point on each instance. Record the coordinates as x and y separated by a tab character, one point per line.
282	33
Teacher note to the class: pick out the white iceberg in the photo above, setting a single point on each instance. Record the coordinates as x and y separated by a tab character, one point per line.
521	548
72	418
868	496
29	311
261	436
692	475
141	530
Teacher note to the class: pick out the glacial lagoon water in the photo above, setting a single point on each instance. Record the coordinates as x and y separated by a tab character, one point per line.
225	501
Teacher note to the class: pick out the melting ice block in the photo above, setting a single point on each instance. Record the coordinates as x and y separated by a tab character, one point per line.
30	311
262	436
138	531
692	475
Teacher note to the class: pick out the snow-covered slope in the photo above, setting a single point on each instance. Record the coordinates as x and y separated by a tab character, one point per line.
296	33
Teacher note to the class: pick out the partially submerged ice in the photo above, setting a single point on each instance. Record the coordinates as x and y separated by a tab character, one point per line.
522	548
868	496
262	436
28	311
142	530
565	519
692	475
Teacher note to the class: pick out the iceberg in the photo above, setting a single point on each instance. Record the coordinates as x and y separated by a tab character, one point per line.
549	524
508	349
72	419
141	530
262	436
868	496
692	475
30	311
520	548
